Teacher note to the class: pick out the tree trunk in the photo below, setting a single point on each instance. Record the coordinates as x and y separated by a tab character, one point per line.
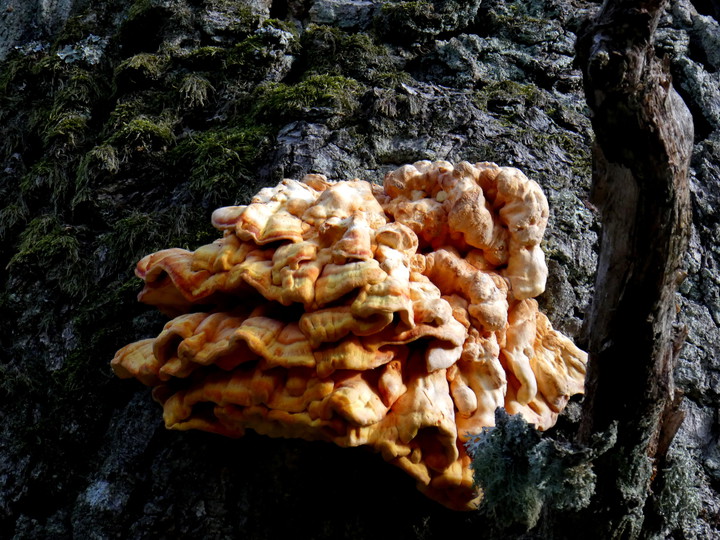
644	138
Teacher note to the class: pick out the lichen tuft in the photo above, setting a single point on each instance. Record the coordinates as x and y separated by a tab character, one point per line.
520	472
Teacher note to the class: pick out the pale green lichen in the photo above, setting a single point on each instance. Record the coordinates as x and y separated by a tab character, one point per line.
520	472
679	500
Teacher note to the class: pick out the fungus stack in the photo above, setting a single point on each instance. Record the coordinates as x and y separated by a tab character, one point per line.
398	317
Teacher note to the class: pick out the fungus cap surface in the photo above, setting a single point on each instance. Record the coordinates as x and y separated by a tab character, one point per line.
398	317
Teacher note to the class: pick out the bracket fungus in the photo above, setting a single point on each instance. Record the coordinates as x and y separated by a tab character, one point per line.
397	316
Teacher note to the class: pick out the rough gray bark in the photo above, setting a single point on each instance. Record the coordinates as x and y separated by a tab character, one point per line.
29	20
644	135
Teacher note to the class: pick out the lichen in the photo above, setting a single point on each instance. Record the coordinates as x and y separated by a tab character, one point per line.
520	472
90	49
679	499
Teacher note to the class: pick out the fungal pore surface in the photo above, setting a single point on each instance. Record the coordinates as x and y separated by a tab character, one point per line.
397	317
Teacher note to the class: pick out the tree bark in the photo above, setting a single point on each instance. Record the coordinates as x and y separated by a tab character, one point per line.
644	136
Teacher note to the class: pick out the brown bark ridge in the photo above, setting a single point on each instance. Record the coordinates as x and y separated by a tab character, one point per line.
644	136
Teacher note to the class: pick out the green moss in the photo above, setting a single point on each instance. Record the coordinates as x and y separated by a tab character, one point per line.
49	248
46	175
28	72
329	50
325	94
145	12
580	160
140	69
220	162
82	87
159	102
17	381
524	22
11	69
75	28
139	8
195	90
392	79
103	157
143	133
207	58
281	25
232	16
252	56
246	61
12	214
58	100
67	127
49	71
36	91
45	238
125	110
12	140
99	163
151	65
569	146
407	21
408	9
508	101
130	238
138	233
507	96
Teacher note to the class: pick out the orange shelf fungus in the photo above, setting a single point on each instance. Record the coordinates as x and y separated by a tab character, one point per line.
397	316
